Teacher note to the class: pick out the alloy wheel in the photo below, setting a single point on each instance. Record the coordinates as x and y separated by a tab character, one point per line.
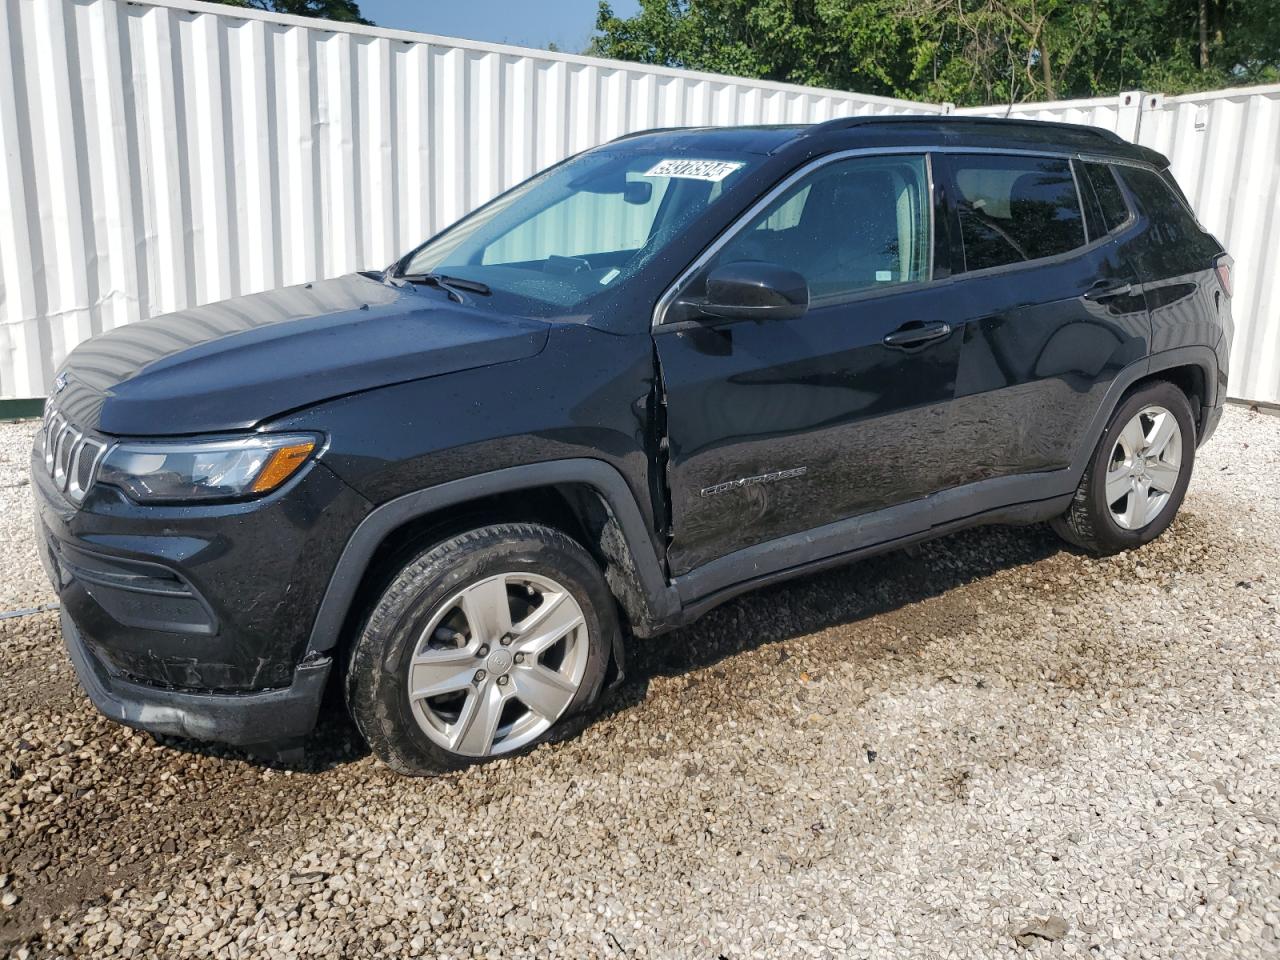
1143	471
499	663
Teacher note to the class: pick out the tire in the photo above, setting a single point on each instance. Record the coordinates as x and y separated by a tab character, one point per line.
440	625
1101	527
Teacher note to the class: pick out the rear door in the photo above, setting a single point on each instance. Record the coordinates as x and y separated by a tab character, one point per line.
781	426
1054	310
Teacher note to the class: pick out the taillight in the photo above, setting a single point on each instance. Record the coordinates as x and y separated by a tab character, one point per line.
1223	269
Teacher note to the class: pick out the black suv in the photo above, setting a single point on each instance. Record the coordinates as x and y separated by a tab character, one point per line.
660	373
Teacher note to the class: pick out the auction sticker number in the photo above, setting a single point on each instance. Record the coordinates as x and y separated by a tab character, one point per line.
713	170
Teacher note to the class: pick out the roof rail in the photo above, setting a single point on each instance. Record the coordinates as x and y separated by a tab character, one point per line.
1006	124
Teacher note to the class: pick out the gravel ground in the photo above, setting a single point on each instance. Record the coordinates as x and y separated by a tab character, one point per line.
926	754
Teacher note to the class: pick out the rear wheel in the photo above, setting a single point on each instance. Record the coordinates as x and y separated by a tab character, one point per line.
482	646
1133	486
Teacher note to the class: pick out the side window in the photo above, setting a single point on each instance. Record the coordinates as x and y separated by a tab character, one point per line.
1171	222
850	226
1014	209
1108	193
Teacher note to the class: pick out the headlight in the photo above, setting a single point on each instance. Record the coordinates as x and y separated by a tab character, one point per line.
205	470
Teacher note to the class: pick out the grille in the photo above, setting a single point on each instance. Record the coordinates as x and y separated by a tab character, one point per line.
71	456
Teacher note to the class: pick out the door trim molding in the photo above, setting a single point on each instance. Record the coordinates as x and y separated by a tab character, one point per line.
1025	498
1019	513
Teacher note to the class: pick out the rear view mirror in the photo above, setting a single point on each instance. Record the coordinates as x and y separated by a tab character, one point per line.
754	290
638	192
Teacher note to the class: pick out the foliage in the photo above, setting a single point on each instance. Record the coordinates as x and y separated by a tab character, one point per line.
348	11
963	51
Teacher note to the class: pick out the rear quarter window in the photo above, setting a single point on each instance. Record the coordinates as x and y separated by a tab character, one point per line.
1172	224
1014	209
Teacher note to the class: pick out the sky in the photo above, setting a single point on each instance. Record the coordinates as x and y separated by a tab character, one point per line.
527	23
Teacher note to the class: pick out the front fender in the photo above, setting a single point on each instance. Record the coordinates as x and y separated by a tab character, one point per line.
653	592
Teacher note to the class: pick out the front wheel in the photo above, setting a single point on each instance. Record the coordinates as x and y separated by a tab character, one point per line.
482	646
1133	486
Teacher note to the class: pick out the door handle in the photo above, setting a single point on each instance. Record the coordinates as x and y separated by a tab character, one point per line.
914	334
1103	289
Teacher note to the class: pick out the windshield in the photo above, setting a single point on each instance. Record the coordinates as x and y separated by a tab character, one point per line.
579	229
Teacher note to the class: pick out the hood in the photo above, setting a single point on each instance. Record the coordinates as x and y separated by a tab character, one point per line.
231	365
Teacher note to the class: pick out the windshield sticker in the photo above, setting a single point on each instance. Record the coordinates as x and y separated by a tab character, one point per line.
713	170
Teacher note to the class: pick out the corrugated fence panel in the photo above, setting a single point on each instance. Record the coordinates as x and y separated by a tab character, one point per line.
1119	114
162	154
1224	148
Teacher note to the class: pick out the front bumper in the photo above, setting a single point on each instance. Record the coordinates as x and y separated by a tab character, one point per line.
193	621
236	718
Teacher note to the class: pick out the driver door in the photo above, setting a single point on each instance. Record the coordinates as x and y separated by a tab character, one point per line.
779	427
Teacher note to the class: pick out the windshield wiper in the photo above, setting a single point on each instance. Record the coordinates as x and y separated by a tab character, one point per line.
450	285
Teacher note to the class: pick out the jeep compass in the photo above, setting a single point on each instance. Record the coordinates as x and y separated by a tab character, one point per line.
662	372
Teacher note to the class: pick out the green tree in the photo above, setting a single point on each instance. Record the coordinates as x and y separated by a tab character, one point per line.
965	51
347	11
802	41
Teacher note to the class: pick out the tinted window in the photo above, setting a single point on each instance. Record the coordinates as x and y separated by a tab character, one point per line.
1015	208
1171	222
850	226
1108	193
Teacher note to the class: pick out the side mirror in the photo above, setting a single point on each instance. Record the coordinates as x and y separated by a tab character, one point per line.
754	290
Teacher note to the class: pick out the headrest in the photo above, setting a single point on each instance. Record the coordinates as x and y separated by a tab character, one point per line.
870	193
1033	188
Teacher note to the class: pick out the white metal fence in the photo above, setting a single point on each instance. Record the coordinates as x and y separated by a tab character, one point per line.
156	154
160	154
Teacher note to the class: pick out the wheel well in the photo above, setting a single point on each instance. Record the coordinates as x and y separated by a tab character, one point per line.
1190	380
577	510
